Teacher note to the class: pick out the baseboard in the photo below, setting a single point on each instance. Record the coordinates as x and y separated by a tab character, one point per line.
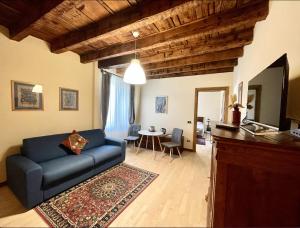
3	183
186	149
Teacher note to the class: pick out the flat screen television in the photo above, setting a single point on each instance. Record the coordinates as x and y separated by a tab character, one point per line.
267	96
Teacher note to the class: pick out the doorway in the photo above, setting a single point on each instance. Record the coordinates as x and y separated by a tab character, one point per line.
210	106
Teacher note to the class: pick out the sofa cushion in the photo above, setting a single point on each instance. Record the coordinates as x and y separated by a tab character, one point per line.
61	169
40	149
96	137
104	153
75	142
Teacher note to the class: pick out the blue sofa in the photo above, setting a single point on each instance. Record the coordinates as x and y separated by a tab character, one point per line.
45	168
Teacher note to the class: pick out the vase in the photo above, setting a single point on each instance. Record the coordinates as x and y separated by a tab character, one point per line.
236	116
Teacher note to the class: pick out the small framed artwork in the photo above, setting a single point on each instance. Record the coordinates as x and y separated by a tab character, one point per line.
240	93
161	104
68	99
24	98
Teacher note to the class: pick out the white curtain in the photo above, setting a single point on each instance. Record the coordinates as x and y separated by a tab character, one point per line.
118	112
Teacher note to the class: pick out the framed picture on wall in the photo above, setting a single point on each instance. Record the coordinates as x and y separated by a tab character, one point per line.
25	96
68	99
240	93
161	104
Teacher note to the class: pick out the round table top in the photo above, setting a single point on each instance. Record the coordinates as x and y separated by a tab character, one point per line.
149	133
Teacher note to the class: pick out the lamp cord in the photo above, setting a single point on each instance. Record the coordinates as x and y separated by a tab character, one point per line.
135	48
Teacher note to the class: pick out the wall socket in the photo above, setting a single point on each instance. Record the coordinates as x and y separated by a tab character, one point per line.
189	122
188	140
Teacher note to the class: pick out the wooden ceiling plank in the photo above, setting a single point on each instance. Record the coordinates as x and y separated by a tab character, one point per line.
210	57
175	54
196	67
124	19
230	19
94	10
117	5
21	28
193	73
221	43
209	46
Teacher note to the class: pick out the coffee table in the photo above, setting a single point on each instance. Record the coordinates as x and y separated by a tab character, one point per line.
151	134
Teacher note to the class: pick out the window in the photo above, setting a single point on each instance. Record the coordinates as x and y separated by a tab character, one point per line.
118	112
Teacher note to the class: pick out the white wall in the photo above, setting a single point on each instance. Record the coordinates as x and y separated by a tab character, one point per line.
181	98
278	34
31	61
209	105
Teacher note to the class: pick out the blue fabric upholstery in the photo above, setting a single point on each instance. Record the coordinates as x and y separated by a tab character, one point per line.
104	153
95	137
44	148
45	168
61	169
24	178
134	129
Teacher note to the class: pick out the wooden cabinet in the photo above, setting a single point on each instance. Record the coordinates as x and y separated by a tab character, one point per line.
255	181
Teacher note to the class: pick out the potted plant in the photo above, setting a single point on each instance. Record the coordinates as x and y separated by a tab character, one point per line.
236	114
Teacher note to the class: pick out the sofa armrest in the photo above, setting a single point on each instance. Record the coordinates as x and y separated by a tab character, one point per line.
24	178
117	142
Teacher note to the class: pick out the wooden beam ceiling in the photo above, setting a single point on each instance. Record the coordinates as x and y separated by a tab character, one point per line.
22	28
195	67
230	41
206	58
128	19
177	37
193	73
247	14
187	68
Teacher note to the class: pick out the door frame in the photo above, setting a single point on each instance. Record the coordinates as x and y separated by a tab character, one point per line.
208	89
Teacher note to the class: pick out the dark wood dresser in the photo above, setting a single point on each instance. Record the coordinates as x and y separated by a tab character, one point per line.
255	180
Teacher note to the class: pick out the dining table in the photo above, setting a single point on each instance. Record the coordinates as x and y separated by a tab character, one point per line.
151	134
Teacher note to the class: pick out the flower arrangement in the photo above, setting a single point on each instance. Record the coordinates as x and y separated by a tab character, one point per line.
234	104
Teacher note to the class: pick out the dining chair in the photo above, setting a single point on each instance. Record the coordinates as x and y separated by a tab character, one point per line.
133	134
176	142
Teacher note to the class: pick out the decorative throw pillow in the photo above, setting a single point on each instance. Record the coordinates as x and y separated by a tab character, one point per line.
75	142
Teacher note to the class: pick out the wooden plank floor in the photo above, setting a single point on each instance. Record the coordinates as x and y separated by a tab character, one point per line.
175	198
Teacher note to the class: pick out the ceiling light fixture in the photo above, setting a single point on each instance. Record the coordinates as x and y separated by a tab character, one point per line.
135	74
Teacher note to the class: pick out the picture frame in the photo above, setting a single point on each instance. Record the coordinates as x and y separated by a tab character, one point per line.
240	93
23	99
161	104
68	99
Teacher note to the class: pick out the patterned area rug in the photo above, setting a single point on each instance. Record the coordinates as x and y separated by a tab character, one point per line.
97	201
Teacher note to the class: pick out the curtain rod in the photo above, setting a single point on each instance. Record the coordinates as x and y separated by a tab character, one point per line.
107	71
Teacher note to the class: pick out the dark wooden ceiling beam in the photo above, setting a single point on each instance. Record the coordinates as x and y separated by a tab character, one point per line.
22	28
116	62
210	57
196	67
231	41
225	21
193	73
131	18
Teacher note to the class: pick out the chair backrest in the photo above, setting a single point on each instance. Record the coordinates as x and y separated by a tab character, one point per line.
133	129
177	135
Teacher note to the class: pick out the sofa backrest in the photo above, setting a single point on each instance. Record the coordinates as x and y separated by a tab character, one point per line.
45	148
96	137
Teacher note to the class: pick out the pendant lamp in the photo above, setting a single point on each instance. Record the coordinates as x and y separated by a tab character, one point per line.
135	74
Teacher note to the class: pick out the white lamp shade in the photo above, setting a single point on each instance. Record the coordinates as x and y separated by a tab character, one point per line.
37	89
135	74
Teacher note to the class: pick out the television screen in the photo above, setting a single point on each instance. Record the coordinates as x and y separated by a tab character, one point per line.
267	95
